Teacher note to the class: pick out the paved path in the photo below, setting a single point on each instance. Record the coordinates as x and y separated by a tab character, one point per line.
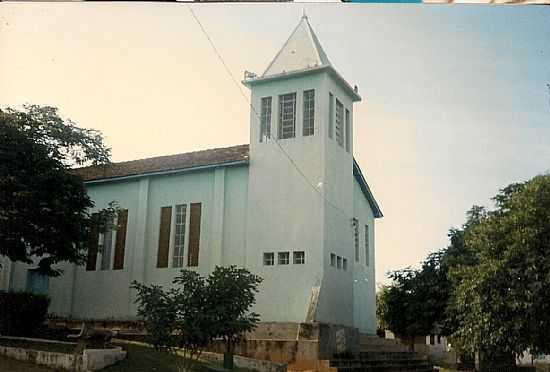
12	365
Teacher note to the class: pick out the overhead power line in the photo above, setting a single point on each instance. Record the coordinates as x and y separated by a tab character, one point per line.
235	81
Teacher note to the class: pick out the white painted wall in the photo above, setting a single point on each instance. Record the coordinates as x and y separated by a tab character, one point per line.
266	206
284	213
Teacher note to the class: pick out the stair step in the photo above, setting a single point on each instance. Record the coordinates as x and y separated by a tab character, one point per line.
389	355
390	368
378	363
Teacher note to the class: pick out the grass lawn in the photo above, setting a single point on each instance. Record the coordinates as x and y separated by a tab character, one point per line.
142	358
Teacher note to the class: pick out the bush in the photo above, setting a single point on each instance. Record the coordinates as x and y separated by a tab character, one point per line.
22	313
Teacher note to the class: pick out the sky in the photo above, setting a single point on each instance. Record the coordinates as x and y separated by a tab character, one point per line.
455	102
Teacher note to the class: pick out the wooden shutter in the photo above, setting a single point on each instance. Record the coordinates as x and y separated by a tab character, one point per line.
194	234
93	241
120	239
164	236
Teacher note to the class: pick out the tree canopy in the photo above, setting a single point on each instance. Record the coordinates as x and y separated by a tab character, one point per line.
197	309
488	289
502	300
43	207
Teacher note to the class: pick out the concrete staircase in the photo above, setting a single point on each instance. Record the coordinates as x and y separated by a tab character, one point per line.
382	355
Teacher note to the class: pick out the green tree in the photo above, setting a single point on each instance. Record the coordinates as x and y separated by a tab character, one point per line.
418	302
232	292
186	317
502	301
43	207
177	320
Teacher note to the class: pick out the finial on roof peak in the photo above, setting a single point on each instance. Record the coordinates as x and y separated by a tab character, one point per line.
304	15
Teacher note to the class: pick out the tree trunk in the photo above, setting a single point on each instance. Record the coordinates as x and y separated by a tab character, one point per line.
228	355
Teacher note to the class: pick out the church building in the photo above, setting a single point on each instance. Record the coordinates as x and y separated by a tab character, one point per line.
292	206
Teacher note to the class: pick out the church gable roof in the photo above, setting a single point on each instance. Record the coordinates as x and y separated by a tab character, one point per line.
165	164
301	51
219	157
366	190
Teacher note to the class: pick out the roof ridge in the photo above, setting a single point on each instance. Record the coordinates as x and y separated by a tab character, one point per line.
158	157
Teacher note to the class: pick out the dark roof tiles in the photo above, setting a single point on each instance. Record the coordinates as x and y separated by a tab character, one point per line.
165	163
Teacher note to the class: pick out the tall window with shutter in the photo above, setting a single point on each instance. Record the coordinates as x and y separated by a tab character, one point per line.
179	235
330	114
164	236
287	115
194	234
120	243
309	112
265	119
348	131
93	241
339	118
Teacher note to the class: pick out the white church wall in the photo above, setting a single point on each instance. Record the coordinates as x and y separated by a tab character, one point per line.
284	213
336	299
235	219
171	190
100	294
364	291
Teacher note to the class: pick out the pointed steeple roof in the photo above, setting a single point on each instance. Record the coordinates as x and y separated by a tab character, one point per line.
302	50
302	54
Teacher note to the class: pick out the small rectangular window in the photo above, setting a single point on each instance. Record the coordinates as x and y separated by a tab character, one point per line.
309	112
332	259
265	122
287	115
338	262
330	114
367	245
339	119
345	264
348	131
269	259
283	258
299	258
355	225
179	235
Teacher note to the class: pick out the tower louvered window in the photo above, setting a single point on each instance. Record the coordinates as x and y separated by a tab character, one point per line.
339	119
287	116
330	115
348	131
309	112
265	125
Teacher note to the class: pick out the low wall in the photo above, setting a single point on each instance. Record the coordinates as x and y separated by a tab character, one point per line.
96	359
45	358
89	360
248	363
299	345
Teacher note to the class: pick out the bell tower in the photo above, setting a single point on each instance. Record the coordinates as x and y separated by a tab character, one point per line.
300	190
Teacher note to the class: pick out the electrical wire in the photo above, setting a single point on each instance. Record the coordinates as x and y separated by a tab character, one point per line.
285	153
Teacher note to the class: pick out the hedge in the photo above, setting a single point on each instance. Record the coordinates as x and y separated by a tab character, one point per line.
22	313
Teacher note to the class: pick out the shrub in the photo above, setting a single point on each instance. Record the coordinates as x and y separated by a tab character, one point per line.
22	313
